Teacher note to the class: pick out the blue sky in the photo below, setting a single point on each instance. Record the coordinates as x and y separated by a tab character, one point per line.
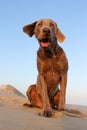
18	51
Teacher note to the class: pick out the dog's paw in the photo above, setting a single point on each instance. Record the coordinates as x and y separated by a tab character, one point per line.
46	113
61	107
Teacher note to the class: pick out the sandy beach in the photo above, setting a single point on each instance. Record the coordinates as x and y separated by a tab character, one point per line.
14	116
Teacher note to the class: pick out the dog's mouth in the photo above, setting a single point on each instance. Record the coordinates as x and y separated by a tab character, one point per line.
45	42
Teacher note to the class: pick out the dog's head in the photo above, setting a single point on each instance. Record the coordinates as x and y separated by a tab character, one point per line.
45	30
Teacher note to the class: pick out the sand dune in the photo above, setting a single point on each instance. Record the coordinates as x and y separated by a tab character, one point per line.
10	89
13	116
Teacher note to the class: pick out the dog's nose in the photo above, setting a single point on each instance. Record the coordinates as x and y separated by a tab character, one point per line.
46	30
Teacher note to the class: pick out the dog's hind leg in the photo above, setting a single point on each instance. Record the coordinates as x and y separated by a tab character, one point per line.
34	97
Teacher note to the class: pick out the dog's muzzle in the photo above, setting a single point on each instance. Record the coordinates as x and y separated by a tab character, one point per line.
45	41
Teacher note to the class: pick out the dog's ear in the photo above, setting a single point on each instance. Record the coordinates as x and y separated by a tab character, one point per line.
60	36
29	29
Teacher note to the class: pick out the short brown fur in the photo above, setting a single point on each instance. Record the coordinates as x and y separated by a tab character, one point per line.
52	67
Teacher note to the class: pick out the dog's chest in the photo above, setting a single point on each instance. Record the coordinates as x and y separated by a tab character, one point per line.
55	65
50	66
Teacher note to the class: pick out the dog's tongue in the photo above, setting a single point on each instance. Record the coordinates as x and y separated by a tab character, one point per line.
44	44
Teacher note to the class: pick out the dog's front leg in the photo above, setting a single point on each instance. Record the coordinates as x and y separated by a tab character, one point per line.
63	82
41	84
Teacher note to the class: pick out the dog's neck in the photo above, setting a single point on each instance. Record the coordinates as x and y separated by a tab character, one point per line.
48	53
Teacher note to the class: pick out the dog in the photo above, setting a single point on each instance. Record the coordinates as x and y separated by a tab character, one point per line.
52	65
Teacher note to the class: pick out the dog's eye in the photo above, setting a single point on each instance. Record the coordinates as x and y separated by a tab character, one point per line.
51	25
39	25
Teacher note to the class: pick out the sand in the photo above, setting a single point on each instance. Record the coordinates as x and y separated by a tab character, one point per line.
14	116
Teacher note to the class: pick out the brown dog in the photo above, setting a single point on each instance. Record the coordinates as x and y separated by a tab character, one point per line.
52	67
